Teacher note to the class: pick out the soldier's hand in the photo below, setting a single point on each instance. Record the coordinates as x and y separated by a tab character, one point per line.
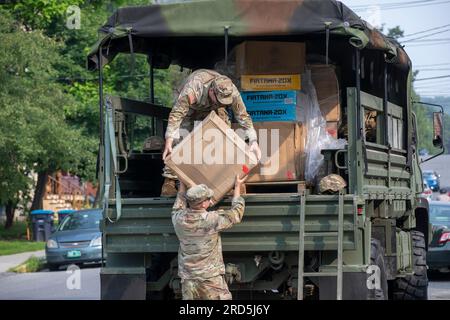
239	181
167	148
254	147
237	185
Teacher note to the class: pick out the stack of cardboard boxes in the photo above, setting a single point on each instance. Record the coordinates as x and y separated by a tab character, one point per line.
270	81
269	76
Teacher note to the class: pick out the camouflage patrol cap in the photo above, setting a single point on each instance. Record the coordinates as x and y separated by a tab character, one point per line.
332	183
199	193
223	88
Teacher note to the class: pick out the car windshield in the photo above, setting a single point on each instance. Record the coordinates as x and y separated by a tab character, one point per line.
440	215
81	220
428	174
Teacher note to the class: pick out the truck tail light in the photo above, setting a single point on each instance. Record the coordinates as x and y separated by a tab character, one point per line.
360	210
444	238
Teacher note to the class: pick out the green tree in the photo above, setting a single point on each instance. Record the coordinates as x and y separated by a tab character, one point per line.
395	32
58	97
34	134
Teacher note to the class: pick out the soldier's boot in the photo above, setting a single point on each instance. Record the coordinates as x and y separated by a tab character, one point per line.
168	188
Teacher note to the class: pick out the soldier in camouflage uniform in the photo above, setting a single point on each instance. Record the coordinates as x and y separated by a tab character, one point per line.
200	261
370	121
203	91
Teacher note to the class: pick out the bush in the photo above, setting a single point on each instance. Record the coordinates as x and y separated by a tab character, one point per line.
33	264
18	231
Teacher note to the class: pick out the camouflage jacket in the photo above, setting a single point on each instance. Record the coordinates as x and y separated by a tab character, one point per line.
193	103
200	252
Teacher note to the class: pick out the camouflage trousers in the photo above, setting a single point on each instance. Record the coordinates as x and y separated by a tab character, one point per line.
188	124
214	288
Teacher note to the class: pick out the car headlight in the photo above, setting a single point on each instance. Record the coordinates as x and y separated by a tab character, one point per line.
96	242
52	244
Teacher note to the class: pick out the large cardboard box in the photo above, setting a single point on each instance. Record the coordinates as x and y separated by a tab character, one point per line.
327	87
271	105
270	82
212	154
270	57
282	145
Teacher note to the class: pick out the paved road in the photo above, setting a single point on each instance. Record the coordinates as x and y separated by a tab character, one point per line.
439	288
83	284
53	286
440	164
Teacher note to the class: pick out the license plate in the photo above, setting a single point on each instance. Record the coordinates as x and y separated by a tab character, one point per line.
74	254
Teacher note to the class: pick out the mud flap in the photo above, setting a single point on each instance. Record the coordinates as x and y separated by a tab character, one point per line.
123	284
354	286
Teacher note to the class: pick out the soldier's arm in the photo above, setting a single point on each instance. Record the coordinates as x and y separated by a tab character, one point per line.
189	95
176	116
180	201
243	118
227	218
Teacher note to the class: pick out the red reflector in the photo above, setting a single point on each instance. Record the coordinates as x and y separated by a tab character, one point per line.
444	237
245	169
290	175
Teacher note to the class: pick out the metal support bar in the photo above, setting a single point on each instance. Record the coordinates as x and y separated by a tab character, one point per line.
358	93
386	121
301	246
340	245
225	29
100	93
385	104
327	40
152	90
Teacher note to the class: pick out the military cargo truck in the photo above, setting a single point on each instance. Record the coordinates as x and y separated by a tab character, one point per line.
368	241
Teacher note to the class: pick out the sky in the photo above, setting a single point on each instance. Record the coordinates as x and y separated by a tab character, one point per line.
430	57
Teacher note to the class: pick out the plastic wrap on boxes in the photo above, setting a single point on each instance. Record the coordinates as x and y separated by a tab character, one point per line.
317	136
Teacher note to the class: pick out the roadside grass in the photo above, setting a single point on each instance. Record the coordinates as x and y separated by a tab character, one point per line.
18	231
33	264
13	247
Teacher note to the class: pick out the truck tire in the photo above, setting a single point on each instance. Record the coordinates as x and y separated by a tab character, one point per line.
414	287
377	259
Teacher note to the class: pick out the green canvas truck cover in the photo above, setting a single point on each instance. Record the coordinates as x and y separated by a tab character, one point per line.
168	28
